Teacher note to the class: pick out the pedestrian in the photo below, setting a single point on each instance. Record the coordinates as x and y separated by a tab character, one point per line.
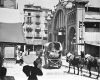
39	61
1	60
21	58
27	70
3	72
32	72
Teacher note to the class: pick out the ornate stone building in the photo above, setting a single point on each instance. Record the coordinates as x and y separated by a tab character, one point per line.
76	24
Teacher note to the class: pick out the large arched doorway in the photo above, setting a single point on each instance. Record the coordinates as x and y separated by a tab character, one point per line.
72	40
59	28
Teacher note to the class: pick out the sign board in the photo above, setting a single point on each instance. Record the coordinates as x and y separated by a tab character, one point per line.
9	52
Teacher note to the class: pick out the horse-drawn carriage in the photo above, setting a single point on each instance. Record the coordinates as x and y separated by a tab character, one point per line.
52	54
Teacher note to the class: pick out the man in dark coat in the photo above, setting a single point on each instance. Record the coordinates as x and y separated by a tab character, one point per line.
32	72
3	72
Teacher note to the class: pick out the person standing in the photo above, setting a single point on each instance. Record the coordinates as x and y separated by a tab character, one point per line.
3	72
39	61
32	72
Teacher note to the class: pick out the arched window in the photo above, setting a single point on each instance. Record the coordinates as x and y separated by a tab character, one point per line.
37	16
37	23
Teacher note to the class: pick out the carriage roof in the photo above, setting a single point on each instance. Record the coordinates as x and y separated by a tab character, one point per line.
47	45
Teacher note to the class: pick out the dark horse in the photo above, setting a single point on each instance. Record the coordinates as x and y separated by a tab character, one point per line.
90	62
74	61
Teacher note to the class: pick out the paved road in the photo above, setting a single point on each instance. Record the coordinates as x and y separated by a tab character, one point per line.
49	74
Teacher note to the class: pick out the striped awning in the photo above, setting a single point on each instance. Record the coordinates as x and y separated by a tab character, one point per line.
11	30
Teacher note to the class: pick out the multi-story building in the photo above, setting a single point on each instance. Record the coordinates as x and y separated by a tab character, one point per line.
8	4
11	34
76	24
35	26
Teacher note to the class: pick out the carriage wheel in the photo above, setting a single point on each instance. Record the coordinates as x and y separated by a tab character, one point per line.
59	64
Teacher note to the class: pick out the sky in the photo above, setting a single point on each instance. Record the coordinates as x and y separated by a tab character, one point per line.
43	3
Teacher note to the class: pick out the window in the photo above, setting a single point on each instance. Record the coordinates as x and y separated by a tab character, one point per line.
37	23
46	31
92	9
45	38
29	29
37	30
29	14
37	16
37	36
29	20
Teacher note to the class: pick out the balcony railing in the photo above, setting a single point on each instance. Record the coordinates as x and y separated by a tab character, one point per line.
29	35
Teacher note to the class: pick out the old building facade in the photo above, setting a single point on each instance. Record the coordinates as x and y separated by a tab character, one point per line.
8	4
11	34
35	26
76	24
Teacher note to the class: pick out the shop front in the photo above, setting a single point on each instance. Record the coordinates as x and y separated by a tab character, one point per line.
11	34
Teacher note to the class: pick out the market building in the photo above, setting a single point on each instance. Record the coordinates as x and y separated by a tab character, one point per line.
76	24
35	26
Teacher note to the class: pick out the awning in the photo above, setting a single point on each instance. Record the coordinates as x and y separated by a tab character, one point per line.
94	3
11	32
10	16
11	26
92	17
94	43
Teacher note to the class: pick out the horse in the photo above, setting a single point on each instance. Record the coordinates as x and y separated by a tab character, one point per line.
74	61
90	62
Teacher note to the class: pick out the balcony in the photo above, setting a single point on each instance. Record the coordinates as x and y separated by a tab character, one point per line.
37	36
45	38
29	29
29	35
37	29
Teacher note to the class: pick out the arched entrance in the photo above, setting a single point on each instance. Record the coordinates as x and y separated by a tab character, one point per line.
59	28
72	39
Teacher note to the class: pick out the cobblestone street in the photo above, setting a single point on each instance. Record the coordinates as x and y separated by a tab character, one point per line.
49	74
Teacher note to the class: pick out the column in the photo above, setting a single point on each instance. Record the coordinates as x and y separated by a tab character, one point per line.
24	48
80	8
59	20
